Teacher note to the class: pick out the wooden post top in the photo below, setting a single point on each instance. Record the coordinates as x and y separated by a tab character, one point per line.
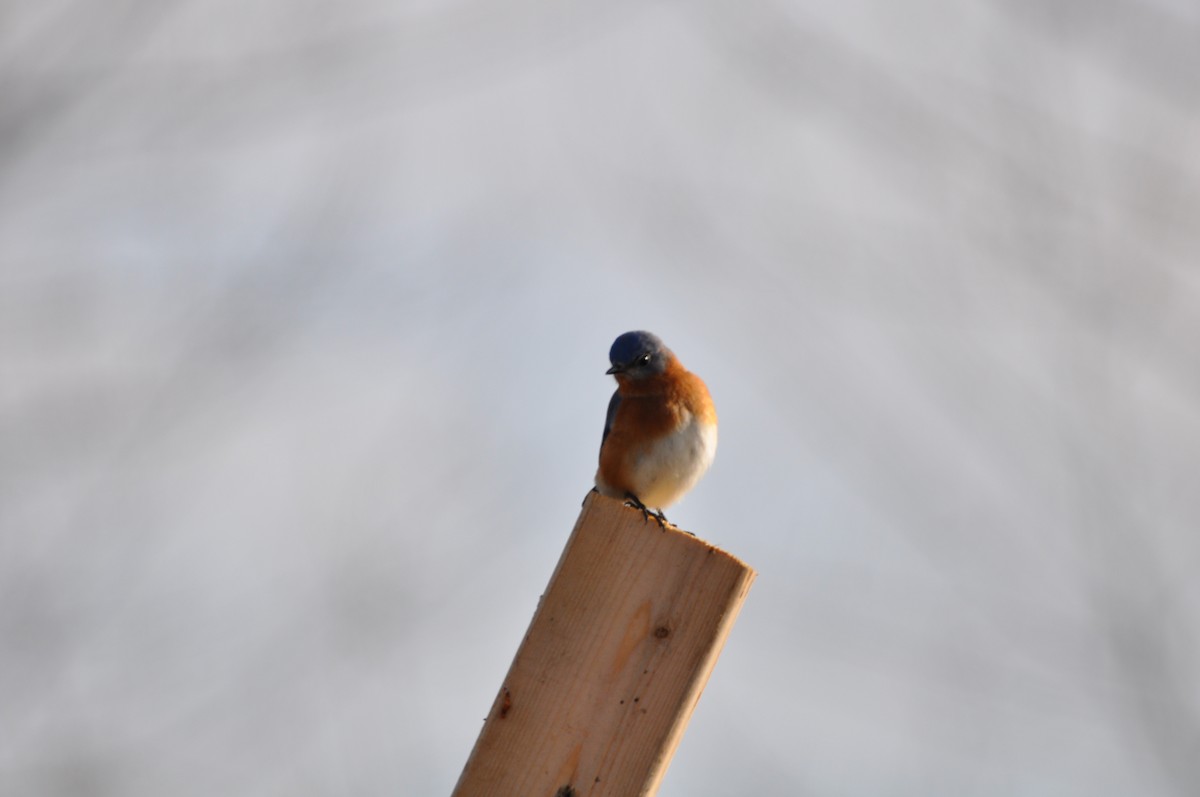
616	656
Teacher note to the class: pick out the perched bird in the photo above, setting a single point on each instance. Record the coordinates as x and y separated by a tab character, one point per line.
661	432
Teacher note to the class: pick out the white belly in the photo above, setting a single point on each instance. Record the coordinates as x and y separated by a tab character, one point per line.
665	471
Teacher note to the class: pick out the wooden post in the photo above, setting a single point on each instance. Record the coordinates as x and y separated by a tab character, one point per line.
614	661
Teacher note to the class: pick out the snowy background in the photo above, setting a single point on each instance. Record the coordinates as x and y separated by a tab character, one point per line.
304	314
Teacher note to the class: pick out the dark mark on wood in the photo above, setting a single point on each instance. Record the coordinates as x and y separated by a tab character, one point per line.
505	703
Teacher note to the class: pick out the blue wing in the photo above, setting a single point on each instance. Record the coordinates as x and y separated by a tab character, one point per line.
613	403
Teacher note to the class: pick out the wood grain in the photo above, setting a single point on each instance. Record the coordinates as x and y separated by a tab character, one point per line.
615	659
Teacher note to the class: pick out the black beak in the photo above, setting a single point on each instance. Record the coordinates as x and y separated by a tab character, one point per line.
616	369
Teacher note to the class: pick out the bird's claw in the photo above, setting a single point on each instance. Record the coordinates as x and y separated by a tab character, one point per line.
635	502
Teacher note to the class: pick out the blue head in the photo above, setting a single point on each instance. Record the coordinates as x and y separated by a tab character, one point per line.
638	355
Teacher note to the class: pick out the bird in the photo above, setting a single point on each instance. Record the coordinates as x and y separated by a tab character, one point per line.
660	434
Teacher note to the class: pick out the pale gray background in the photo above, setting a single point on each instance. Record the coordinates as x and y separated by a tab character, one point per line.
304	313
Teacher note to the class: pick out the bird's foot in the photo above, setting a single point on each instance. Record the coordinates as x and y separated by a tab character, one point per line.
585	497
635	502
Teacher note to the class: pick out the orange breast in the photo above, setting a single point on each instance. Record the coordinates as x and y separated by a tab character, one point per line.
650	409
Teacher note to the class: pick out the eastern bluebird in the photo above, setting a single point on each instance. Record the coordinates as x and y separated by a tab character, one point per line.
661	432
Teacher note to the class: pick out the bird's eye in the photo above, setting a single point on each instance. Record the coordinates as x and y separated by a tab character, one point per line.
644	360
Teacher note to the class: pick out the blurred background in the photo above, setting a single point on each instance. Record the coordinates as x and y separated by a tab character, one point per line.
304	316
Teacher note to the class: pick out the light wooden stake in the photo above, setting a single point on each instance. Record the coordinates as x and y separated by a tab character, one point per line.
616	656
